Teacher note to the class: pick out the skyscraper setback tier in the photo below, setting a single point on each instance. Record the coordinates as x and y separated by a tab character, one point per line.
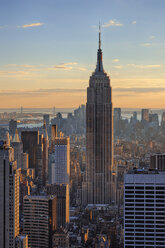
99	138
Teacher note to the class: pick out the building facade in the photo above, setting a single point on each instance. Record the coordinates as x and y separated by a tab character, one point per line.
157	162
144	210
18	149
39	220
30	140
21	241
61	239
60	161
9	195
61	191
99	137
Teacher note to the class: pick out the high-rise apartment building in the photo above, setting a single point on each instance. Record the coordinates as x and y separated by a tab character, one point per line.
39	220
9	197
99	137
144	209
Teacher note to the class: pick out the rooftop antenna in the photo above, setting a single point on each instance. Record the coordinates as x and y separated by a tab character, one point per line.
99	35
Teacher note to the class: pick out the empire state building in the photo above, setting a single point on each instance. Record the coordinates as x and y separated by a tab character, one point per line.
99	137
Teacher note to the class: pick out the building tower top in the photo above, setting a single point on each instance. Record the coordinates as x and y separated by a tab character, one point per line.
16	137
99	66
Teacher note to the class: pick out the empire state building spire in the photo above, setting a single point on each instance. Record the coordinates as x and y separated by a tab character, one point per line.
99	66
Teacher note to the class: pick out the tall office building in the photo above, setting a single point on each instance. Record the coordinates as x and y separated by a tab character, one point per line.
9	197
12	127
117	114
163	120
145	115
144	209
61	191
30	140
46	120
99	136
45	143
53	132
25	161
60	161
39	220
18	149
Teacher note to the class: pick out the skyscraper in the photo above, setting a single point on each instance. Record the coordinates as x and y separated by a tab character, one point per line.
9	197
30	140
145	115
99	137
18	149
61	191
60	161
45	142
12	127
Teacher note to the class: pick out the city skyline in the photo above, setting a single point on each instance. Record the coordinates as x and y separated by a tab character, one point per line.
48	52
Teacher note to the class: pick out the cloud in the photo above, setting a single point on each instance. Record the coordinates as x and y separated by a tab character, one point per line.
82	69
147	44
111	23
152	37
144	66
116	60
16	65
37	24
64	66
140	90
133	22
36	92
13	73
118	66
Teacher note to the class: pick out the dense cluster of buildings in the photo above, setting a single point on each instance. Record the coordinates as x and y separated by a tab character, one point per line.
62	188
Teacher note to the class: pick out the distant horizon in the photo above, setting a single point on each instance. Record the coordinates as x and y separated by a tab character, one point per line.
72	108
49	48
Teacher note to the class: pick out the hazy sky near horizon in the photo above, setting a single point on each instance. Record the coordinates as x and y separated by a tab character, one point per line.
48	51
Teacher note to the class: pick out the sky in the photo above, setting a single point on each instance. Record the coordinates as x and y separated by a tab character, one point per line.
48	51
